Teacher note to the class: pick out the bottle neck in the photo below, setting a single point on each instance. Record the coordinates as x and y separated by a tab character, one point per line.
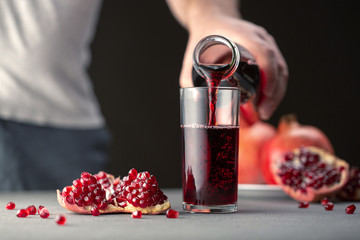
210	59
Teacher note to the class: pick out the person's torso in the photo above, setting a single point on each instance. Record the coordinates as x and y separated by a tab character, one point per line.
44	53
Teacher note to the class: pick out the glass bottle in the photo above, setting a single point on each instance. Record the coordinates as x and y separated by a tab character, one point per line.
218	61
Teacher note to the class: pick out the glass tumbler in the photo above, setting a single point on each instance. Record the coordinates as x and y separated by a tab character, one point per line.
209	148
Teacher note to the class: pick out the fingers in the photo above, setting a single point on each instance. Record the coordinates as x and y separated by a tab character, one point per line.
274	75
269	104
274	88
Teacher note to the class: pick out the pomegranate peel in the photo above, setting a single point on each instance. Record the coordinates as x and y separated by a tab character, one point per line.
251	139
135	192
310	174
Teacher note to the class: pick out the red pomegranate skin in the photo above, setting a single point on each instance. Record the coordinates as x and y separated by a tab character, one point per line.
251	139
290	135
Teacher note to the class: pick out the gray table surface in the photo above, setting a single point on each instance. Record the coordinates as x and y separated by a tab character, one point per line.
261	215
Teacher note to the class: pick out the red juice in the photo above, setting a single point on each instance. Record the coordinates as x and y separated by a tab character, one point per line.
213	73
210	164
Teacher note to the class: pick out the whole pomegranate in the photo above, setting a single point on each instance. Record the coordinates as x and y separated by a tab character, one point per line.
102	193
290	135
310	173
251	139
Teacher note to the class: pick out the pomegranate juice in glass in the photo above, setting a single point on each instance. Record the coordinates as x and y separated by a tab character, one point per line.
210	135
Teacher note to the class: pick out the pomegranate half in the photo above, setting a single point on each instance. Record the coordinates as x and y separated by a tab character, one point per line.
105	194
310	173
290	135
351	191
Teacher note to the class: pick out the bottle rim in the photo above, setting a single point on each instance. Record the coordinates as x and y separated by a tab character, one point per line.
212	40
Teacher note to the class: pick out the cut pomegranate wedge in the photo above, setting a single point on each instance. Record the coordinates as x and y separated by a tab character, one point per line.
351	191
310	174
135	192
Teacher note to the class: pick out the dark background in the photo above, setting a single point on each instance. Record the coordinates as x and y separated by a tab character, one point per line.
137	56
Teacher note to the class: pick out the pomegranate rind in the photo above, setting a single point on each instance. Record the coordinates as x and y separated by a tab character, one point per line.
251	139
315	195
157	209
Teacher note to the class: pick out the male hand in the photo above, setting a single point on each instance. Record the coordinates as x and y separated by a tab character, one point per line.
273	68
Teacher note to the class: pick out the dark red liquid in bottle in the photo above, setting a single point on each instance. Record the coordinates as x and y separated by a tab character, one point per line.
210	164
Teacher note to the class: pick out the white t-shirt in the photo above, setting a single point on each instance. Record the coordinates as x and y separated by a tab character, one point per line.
44	55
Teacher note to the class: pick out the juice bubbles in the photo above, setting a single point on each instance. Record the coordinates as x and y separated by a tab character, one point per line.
210	164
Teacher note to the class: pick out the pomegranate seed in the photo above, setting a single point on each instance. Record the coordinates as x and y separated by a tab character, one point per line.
22	213
146	186
95	211
171	213
136	214
103	205
31	209
76	191
85	175
97	199
44	213
60	219
85	182
303	204
329	206
132	174
142	204
101	175
93	180
88	201
123	204
289	156
151	180
129	197
10	205
92	187
324	201
144	175
39	208
66	191
69	199
97	192
135	202
79	202
153	187
350	209
129	189
77	183
85	189
134	192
